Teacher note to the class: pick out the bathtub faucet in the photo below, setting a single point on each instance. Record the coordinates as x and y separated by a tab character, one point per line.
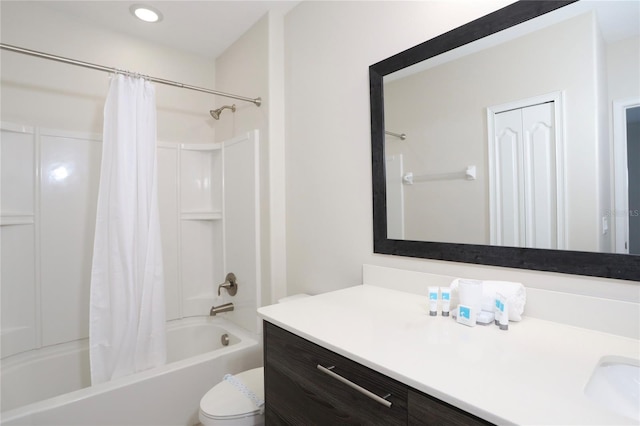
227	307
230	284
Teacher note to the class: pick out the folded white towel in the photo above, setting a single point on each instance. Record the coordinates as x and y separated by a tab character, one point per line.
515	293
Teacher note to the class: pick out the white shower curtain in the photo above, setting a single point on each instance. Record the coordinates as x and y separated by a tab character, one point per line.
127	310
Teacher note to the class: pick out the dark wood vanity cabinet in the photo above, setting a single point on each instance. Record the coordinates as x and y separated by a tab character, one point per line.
297	392
306	384
427	410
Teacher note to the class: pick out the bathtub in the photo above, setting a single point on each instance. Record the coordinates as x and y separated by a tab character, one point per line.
51	386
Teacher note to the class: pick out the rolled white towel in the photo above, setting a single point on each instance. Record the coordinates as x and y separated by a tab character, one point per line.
515	293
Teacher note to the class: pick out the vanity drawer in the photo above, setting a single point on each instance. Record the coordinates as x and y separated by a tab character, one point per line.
427	410
298	392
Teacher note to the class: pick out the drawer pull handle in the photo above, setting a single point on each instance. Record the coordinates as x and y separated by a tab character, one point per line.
327	370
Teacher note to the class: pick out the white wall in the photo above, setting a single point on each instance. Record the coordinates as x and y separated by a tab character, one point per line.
440	142
623	69
604	152
623	63
253	67
329	47
51	94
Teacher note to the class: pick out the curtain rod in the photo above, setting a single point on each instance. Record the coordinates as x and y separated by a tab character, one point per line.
256	101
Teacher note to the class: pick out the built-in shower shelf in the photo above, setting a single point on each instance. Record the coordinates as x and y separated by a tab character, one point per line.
201	146
16	219
201	181
201	215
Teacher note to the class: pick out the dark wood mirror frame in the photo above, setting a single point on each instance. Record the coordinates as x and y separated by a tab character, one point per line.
606	265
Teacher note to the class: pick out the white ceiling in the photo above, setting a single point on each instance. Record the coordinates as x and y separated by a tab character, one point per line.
204	27
209	27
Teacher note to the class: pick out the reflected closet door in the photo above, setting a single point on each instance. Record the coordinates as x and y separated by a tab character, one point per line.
524	178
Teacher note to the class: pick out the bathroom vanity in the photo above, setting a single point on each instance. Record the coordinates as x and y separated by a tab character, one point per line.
300	390
372	355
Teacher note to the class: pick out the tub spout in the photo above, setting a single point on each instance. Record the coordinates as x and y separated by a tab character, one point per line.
227	307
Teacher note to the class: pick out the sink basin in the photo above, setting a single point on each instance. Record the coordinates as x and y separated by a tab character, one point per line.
615	384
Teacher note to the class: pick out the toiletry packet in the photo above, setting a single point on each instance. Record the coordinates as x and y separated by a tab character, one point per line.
515	293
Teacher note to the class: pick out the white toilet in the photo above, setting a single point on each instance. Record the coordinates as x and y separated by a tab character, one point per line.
226	404
235	400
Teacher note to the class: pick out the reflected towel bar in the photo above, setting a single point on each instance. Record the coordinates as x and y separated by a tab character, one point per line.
468	174
401	136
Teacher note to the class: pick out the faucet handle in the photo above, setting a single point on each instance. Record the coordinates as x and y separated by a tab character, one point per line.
230	284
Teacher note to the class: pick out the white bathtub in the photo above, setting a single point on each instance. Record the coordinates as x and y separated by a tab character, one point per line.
51	386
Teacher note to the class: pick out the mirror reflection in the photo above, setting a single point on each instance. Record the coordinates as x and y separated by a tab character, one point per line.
526	139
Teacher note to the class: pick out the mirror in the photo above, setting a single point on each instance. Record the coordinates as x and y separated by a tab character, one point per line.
500	142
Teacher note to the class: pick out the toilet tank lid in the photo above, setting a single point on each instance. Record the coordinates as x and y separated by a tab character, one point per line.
292	297
226	399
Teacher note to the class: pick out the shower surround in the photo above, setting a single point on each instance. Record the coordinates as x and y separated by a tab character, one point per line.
49	184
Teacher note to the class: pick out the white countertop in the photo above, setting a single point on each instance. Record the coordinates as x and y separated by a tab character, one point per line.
534	373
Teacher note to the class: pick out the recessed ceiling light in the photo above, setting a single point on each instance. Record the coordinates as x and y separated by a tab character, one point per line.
146	13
